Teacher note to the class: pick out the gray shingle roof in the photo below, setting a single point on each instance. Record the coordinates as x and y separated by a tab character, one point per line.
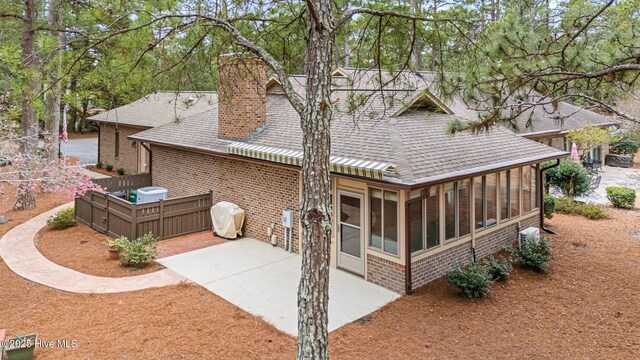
158	109
415	142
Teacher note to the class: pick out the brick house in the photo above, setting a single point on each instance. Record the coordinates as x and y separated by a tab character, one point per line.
116	125
409	200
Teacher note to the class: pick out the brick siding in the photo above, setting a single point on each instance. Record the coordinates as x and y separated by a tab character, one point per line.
261	191
436	265
385	273
494	242
128	157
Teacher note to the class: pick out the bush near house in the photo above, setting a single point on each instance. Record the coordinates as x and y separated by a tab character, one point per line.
533	253
136	253
473	280
621	197
62	219
99	165
570	207
549	206
571	178
499	268
627	145
109	167
120	171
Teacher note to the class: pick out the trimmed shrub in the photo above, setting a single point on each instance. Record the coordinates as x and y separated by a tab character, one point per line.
534	253
621	197
499	268
120	171
136	253
62	219
625	146
571	178
109	167
99	165
549	205
590	211
473	280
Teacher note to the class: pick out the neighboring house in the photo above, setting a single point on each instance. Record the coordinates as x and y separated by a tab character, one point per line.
150	111
409	200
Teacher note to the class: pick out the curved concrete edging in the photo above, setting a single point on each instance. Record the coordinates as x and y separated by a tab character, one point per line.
19	252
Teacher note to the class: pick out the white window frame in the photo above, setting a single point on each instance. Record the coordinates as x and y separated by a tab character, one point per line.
370	233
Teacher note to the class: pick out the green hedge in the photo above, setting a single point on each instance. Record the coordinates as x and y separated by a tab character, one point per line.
569	177
62	219
621	197
549	205
591	211
473	280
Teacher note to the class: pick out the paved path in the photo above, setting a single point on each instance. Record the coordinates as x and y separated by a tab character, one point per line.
91	174
19	252
85	149
612	176
263	280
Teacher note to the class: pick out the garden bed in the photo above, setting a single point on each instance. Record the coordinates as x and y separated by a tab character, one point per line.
83	249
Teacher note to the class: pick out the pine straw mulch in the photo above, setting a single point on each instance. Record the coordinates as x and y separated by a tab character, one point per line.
83	249
586	306
102	171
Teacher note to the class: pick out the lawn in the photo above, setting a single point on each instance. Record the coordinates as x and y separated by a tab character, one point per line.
585	307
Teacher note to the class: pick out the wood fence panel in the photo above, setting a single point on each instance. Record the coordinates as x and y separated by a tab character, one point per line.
120	217
124	183
83	210
99	211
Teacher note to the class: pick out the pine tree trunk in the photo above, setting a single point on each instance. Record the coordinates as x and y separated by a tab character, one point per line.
52	97
415	60
315	212
29	126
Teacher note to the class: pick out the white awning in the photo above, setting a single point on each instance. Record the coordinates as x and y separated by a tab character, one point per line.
337	164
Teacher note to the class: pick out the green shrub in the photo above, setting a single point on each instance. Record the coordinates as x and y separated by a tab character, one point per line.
621	197
138	252
625	146
99	165
533	253
590	211
571	178
473	280
549	205
120	171
62	219
109	167
498	268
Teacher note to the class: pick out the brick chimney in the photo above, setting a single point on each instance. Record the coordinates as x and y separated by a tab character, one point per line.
242	96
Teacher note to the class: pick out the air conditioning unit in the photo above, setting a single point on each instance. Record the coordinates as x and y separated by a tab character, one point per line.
529	234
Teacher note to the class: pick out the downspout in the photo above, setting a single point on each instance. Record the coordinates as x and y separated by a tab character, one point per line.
99	127
541	196
150	155
407	252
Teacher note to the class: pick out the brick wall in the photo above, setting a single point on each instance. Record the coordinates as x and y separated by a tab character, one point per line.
261	191
385	273
242	109
128	156
494	242
436	265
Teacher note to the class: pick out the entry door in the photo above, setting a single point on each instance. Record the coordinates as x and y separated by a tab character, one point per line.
351	232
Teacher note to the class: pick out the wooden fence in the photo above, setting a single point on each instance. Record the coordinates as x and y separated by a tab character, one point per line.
165	218
124	183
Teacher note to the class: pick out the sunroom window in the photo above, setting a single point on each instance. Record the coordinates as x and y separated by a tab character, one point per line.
384	220
424	221
457	209
485	196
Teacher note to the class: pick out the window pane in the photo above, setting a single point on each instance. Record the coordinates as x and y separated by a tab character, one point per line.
433	218
350	240
504	195
464	207
376	218
415	224
478	195
391	222
491	193
514	199
526	188
449	211
534	186
350	210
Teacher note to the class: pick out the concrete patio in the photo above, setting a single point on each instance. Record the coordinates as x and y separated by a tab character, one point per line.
263	280
612	176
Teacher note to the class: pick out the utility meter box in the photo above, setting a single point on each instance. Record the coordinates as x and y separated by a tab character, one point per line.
287	218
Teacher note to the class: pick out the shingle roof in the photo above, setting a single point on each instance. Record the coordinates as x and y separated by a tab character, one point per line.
158	109
415	142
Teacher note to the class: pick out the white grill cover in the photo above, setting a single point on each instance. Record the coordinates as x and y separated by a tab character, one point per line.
227	219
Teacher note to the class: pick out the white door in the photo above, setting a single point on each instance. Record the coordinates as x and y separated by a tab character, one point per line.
351	232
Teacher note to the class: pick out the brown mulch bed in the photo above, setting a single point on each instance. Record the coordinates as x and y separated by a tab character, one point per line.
102	171
83	249
586	306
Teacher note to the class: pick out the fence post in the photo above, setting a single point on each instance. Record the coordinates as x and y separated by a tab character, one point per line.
106	214
134	220
161	222
91	209
210	205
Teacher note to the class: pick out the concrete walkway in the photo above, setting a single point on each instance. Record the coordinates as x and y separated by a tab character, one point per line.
263	280
19	252
612	176
91	174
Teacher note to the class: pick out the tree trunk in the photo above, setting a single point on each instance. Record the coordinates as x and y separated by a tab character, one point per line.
315	209
346	48
29	126
415	60
52	97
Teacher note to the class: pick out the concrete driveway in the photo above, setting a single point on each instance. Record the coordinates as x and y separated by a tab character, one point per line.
612	176
263	280
85	149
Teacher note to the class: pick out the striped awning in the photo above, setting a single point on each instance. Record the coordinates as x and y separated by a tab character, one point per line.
337	164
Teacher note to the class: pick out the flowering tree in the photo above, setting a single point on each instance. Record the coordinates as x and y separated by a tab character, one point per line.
25	172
